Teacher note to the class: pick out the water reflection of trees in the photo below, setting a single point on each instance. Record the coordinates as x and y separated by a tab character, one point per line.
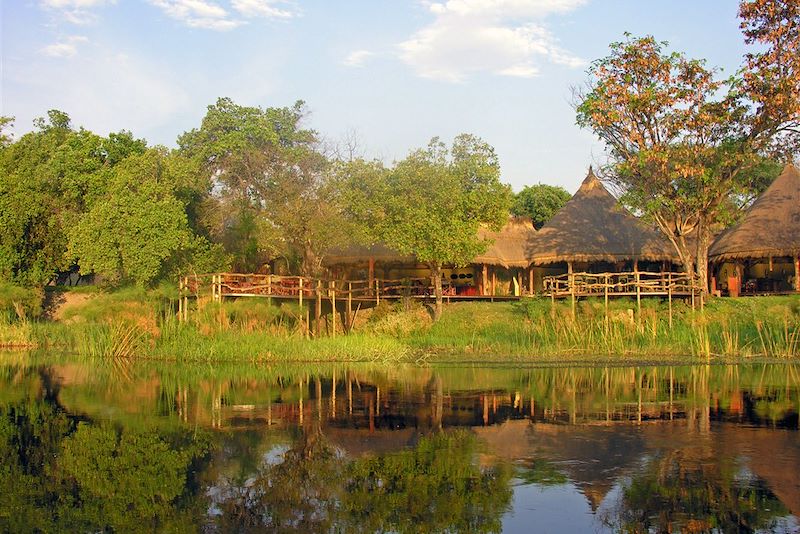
677	491
58	473
435	486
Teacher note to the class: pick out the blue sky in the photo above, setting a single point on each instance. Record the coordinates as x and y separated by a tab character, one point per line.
391	73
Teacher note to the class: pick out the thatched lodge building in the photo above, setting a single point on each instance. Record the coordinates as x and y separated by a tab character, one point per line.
593	233
501	270
761	254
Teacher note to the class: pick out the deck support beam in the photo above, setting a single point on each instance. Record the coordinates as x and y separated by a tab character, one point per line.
530	280
571	282
638	292
371	274
797	274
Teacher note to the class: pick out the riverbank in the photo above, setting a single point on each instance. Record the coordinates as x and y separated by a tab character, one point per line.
133	323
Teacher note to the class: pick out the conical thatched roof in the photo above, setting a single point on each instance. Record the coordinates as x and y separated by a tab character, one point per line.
509	245
355	254
593	226
771	227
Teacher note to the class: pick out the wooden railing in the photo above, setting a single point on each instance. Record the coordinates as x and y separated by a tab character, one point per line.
221	285
620	284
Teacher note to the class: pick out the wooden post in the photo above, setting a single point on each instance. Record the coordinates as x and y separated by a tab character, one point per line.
300	291
318	310
669	297
571	282
530	280
494	281
349	309
180	299
797	274
377	292
333	306
371	274
269	289
605	298
485	280
638	291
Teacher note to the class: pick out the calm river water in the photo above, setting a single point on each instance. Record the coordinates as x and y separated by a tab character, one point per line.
215	448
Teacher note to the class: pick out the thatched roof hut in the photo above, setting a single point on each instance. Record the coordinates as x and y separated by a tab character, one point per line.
770	228
508	248
357	254
594	227
509	245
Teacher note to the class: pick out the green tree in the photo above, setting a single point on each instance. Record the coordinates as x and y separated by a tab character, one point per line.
47	178
267	175
5	138
432	203
137	227
682	142
539	202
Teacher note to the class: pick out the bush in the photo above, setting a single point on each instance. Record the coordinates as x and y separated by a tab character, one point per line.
19	303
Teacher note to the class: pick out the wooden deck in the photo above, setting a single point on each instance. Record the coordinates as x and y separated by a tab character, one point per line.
345	297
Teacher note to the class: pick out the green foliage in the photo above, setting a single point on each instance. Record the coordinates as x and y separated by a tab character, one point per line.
19	302
539	202
269	193
5	138
131	232
47	180
436	199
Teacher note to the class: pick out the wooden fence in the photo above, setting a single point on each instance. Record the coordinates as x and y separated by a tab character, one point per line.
338	295
637	284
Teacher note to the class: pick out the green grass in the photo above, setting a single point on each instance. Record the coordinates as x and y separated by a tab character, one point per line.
132	323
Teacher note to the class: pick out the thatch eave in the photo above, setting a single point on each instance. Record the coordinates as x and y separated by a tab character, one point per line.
769	228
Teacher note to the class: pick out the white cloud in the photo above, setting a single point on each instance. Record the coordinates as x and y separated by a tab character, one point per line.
65	48
211	15
357	58
503	37
198	14
504	8
262	8
79	12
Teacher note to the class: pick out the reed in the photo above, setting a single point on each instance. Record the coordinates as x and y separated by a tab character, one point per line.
133	323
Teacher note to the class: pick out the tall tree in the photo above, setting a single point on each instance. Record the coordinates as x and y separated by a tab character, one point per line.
682	142
137	230
432	203
265	169
539	202
47	179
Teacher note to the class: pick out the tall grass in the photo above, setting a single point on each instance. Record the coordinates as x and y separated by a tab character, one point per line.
133	323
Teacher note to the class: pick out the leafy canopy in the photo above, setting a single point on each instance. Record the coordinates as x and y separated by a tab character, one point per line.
432	203
539	202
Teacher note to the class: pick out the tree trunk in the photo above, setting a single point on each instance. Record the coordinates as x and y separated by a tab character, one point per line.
436	279
701	257
311	265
